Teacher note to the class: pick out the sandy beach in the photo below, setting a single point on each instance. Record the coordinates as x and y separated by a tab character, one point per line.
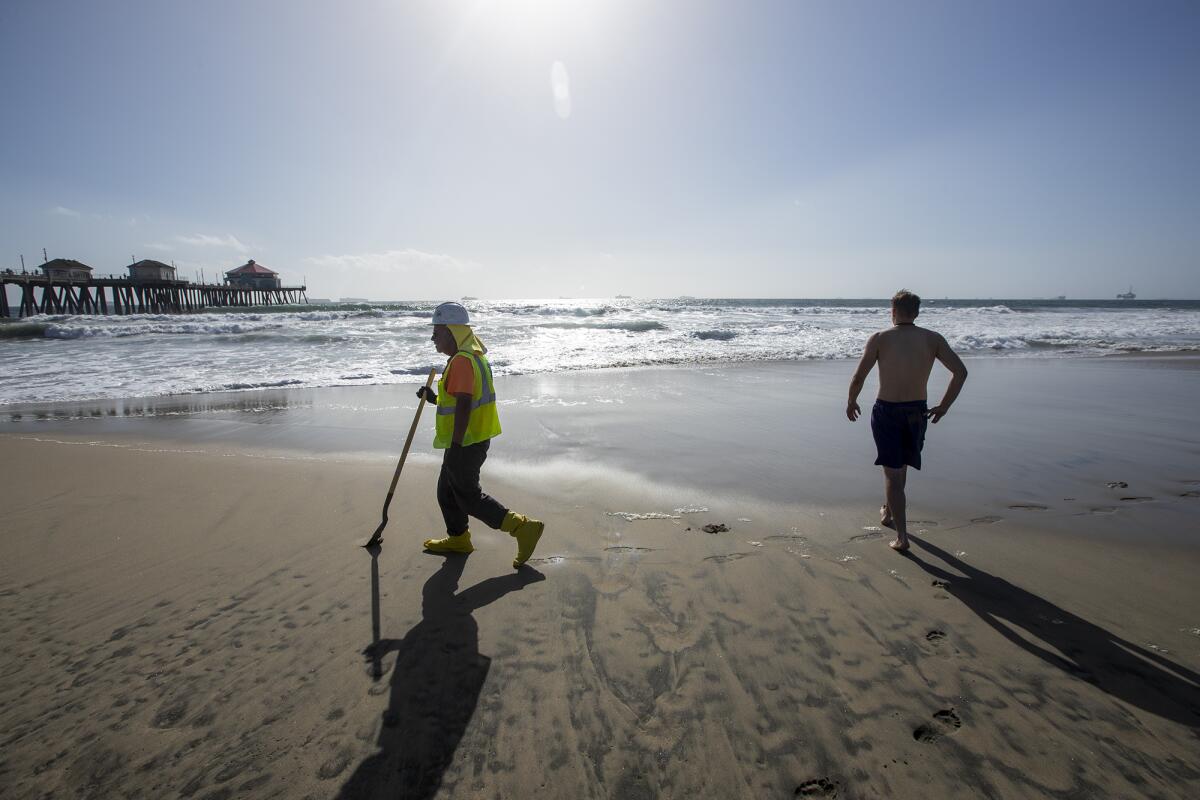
185	612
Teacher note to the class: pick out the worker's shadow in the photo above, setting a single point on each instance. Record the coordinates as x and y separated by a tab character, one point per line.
1127	671
435	683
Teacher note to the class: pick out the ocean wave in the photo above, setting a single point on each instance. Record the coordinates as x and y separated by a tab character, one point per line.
838	310
254	337
333	315
233	387
635	326
114	331
411	370
23	330
322	338
719	335
971	342
554	310
1071	341
1000	309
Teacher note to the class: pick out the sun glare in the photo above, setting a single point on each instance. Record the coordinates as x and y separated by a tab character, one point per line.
529	22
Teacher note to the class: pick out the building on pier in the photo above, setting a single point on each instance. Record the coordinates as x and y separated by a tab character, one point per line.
150	270
253	276
66	269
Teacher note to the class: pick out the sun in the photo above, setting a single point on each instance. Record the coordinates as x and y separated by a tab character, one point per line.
535	22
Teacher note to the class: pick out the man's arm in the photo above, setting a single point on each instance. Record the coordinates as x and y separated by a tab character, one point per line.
958	370
462	416
865	364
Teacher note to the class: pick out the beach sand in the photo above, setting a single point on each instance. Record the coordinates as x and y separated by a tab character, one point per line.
186	616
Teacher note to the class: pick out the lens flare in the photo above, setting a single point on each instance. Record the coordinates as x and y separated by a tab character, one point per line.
560	87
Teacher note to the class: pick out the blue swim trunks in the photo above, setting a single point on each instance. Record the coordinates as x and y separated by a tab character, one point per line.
899	431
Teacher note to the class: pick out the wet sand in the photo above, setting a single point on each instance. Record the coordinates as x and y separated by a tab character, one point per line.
188	618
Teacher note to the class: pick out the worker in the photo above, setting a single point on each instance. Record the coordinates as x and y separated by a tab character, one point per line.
466	424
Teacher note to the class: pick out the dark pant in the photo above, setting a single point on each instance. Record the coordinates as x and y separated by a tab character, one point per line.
459	493
899	430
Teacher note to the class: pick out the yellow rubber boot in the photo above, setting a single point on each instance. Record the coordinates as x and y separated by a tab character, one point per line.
451	544
526	531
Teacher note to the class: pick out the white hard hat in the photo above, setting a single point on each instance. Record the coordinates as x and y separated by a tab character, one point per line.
450	314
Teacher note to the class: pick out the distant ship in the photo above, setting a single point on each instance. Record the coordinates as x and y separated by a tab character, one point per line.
624	297
1061	297
1127	295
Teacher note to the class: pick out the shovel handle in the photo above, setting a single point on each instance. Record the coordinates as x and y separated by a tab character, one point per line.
408	442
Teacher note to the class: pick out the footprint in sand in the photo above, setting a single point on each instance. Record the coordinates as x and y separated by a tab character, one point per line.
988	520
871	533
1029	507
938	583
727	557
928	523
945	723
935	636
785	537
1103	510
627	549
1117	485
1136	499
817	787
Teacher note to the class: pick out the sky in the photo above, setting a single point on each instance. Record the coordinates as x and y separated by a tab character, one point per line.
429	149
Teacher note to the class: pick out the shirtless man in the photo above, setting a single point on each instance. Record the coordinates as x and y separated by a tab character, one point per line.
905	354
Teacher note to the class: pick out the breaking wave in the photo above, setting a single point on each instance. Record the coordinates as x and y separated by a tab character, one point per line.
378	343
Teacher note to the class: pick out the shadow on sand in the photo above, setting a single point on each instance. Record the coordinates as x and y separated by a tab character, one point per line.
1124	670
435	683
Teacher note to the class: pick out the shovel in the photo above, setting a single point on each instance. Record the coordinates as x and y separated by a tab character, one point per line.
377	536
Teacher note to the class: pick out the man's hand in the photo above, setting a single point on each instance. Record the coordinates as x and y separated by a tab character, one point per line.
936	413
852	410
429	394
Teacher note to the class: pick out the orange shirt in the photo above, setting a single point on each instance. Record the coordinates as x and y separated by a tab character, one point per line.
460	376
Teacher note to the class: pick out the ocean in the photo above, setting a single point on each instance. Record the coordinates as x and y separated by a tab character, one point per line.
50	358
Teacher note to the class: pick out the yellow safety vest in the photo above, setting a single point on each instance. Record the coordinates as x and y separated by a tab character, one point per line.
485	422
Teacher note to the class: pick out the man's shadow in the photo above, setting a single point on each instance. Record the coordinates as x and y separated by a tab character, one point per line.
1125	670
435	683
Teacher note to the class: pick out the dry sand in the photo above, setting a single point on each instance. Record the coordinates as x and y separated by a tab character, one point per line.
191	621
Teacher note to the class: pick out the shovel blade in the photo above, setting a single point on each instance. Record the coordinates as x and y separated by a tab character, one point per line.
377	536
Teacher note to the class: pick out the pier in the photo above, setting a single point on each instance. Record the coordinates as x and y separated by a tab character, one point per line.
41	294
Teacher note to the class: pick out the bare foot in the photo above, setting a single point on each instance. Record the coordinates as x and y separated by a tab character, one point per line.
885	519
898	545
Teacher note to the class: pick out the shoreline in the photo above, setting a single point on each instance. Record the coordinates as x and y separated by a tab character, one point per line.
1022	424
1189	356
